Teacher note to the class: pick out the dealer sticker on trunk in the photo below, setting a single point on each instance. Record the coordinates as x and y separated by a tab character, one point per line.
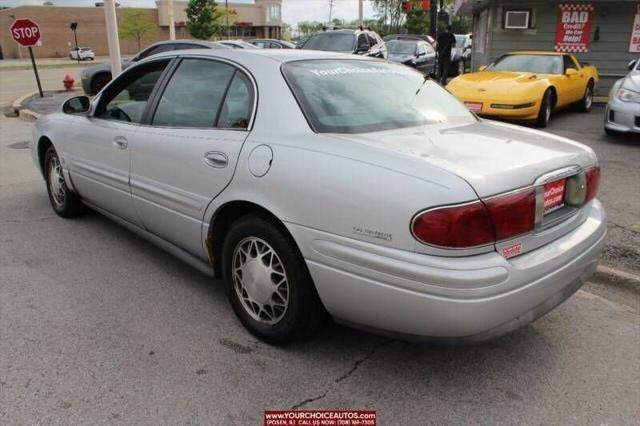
553	195
474	106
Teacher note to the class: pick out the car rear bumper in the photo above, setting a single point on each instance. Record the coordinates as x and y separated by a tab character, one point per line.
454	299
622	116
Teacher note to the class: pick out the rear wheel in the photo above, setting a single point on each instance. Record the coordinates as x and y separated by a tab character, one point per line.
267	281
546	106
587	99
64	202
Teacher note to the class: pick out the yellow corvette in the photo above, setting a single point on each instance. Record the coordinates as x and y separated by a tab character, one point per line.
527	86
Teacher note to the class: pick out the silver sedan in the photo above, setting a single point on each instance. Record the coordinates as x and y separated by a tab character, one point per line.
623	110
319	184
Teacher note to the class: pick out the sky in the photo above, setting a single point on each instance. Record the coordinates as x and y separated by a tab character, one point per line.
293	11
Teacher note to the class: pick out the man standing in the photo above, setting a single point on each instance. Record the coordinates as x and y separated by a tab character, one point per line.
446	40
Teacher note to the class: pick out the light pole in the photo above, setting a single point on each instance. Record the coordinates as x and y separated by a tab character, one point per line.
74	27
226	16
112	37
172	24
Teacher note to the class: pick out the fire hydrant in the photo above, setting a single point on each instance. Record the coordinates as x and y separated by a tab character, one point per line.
68	82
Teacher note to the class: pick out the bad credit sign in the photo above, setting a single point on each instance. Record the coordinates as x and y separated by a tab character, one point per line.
573	27
634	44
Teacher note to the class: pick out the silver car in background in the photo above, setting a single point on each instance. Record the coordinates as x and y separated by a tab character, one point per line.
282	172
623	110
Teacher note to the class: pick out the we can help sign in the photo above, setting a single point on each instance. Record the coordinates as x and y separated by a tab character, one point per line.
634	44
573	27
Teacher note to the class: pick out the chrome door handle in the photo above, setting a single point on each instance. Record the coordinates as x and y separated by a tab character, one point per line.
120	142
218	160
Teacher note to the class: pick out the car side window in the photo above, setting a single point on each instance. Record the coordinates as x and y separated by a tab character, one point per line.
421	49
372	40
274	46
193	96
238	104
568	62
362	42
186	46
127	97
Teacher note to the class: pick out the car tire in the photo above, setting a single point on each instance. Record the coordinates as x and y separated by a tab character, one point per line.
267	281
99	81
546	107
64	202
587	99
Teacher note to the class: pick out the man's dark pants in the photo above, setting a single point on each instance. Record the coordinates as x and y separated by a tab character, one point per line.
444	63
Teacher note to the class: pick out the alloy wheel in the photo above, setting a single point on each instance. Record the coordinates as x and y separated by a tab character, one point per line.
57	186
260	280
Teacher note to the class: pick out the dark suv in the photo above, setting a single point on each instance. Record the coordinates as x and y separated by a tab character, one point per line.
359	42
96	77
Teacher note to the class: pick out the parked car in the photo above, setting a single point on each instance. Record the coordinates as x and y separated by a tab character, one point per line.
394	209
414	53
270	43
359	42
623	109
82	54
237	44
423	37
527	86
461	55
96	77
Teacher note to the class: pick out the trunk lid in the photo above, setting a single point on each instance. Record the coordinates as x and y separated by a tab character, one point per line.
492	157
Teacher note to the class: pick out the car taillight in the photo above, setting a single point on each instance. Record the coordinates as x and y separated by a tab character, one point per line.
512	214
477	223
460	226
593	183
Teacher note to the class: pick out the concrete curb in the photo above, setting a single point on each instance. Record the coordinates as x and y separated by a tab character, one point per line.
17	104
608	274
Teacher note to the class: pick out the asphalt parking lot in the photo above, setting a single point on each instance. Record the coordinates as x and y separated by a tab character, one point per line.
98	326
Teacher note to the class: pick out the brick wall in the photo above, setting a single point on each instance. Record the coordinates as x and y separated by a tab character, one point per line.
54	25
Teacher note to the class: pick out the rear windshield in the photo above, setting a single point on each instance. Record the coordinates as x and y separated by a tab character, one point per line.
397	47
358	96
543	64
334	42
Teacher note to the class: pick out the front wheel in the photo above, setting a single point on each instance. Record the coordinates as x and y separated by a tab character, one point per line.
546	106
267	281
64	202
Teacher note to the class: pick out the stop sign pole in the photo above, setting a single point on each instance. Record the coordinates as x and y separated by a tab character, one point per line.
26	33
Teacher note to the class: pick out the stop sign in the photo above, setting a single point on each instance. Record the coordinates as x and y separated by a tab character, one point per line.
25	32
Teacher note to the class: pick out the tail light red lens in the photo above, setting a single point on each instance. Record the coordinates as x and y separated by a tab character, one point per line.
461	226
512	214
593	183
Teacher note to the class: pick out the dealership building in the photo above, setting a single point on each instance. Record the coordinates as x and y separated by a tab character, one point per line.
261	18
604	33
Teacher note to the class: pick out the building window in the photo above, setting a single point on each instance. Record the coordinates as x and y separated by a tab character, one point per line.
273	13
518	19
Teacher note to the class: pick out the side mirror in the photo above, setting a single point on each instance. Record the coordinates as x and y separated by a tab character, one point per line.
632	64
482	68
570	72
76	105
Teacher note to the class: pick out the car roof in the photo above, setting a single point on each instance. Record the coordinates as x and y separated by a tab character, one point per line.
278	55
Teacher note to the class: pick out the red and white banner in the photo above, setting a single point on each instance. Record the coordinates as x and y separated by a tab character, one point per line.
634	43
573	27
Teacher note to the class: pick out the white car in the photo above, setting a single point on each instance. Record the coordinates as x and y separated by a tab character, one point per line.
623	109
282	172
82	53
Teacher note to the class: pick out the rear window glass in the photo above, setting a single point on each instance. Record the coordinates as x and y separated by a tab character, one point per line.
335	42
357	96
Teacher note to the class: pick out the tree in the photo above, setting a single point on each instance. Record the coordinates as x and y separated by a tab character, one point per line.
203	18
308	27
391	12
418	22
287	32
136	24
